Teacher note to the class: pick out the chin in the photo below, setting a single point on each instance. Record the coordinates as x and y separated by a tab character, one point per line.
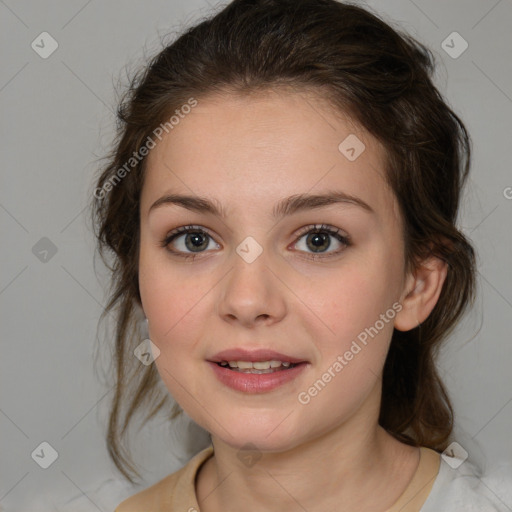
259	442
269	434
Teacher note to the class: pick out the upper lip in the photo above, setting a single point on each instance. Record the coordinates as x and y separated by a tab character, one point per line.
238	354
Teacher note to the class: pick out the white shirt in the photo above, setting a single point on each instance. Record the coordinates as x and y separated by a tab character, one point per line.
454	490
463	490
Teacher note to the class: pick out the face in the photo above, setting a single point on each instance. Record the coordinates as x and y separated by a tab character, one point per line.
316	281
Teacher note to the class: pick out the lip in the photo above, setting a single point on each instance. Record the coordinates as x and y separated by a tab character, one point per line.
237	354
256	383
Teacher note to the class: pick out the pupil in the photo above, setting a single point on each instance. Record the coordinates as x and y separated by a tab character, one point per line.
195	239
319	241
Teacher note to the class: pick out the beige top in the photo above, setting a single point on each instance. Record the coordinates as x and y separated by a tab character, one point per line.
176	492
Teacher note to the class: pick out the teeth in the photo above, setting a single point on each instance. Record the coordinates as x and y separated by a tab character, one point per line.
261	365
257	365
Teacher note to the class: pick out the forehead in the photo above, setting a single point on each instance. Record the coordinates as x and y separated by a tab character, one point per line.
256	149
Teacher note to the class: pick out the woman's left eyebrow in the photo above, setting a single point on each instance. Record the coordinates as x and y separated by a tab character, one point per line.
287	206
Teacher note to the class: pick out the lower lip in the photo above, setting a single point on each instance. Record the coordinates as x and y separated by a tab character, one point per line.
255	382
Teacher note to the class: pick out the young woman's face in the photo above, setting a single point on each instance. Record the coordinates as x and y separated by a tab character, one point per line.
275	269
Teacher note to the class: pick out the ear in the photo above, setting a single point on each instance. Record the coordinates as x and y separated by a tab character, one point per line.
421	292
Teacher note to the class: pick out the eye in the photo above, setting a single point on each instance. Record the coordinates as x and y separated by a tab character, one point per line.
188	241
318	239
187	238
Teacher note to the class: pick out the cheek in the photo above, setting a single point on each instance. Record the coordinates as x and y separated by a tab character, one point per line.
360	315
359	306
355	298
170	298
173	303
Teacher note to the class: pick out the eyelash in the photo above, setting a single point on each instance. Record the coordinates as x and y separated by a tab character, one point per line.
322	228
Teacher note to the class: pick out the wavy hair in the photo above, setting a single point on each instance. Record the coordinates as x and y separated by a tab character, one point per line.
360	65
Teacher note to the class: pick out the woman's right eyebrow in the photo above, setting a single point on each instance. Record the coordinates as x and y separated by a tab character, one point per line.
288	206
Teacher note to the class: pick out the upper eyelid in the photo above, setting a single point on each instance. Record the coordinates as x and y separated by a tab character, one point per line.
318	226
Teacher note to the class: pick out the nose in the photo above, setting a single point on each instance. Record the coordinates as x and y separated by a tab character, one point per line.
251	294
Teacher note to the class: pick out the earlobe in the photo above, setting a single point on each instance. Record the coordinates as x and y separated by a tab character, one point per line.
421	293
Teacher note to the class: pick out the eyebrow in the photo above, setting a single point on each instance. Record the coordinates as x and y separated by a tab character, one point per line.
287	206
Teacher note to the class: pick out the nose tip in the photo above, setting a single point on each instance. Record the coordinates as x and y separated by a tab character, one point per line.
250	294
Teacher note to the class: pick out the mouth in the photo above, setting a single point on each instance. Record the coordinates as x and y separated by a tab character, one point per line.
253	374
256	361
256	372
257	367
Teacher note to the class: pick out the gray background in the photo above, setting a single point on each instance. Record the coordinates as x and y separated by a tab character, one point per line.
57	119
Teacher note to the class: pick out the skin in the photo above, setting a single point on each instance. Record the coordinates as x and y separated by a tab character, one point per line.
247	153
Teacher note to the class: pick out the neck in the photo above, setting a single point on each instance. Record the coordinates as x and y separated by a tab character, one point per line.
355	466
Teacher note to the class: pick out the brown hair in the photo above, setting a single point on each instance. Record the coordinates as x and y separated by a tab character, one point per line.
363	67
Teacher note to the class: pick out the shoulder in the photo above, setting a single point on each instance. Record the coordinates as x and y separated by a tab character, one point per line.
152	498
171	493
464	489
